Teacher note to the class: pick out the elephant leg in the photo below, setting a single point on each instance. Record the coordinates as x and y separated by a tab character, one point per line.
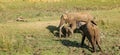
67	31
73	27
60	30
98	44
93	43
83	38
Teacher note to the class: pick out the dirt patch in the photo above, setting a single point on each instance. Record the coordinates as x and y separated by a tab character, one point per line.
38	25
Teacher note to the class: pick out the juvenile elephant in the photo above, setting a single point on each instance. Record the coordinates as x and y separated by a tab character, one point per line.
91	31
67	30
73	18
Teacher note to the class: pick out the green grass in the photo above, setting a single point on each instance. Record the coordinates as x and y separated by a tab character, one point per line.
10	10
38	35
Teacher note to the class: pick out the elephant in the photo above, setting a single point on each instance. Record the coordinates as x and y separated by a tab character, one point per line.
91	31
67	30
72	18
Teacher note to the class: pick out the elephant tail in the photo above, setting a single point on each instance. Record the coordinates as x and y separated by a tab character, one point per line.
93	22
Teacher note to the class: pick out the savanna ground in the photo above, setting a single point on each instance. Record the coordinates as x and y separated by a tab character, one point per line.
38	35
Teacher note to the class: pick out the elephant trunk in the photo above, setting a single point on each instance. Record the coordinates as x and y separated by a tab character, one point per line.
62	21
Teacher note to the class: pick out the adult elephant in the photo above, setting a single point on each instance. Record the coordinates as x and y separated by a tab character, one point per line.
73	18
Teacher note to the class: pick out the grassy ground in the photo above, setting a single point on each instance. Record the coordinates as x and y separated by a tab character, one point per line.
38	36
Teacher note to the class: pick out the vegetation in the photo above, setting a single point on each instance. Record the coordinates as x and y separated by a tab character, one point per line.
38	34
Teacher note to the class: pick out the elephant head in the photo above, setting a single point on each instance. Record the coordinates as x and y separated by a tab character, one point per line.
62	20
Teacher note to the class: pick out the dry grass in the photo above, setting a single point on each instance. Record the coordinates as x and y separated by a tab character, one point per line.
38	35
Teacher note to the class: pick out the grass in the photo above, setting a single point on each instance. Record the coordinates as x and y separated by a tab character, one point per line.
37	36
10	10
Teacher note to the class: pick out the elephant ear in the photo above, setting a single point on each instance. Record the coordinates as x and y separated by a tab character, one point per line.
64	16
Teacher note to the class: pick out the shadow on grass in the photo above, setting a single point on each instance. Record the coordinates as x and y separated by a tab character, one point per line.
53	30
69	43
